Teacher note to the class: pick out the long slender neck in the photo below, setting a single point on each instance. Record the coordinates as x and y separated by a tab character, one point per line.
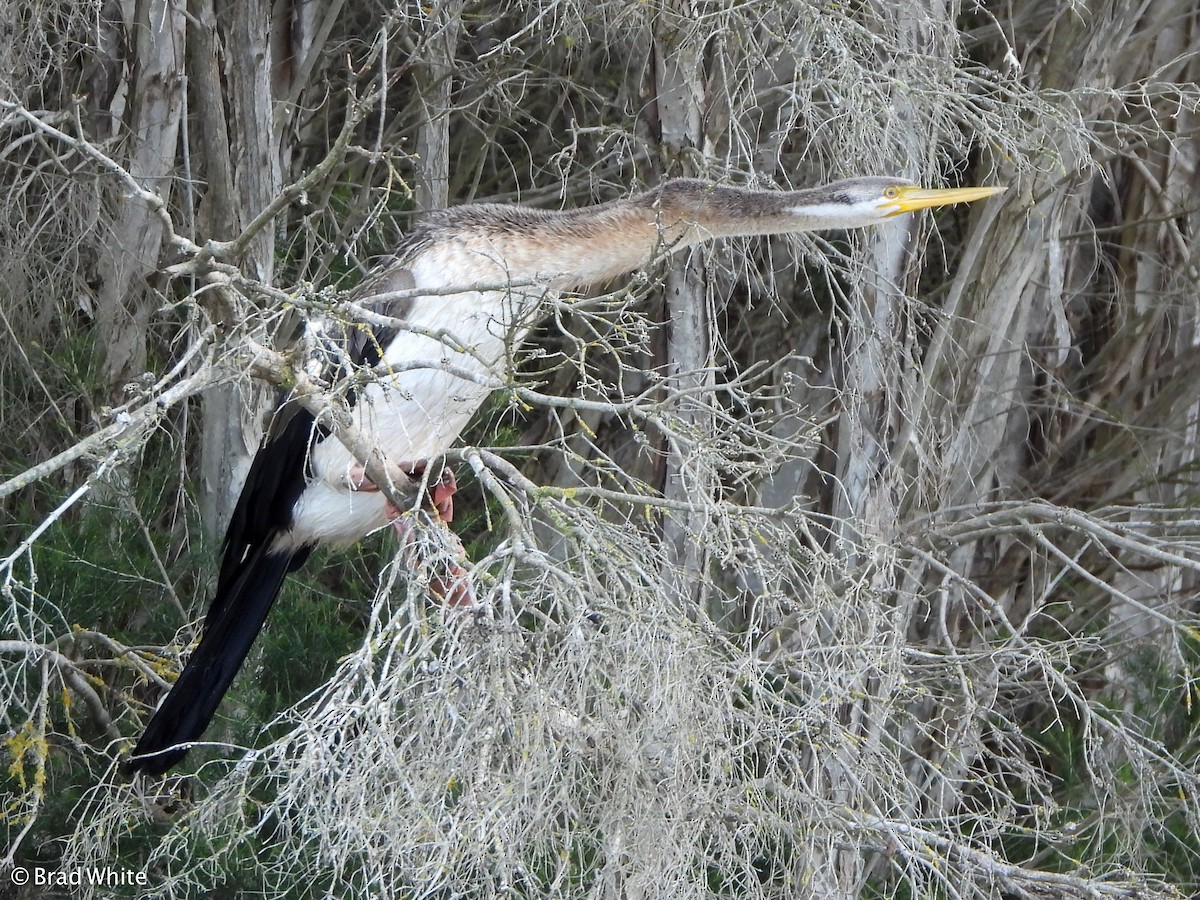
580	247
696	211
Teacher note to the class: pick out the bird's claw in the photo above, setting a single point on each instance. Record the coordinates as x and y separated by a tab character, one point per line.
441	494
453	587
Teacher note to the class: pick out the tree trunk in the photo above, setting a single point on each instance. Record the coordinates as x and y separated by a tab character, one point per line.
688	479
125	301
240	144
435	75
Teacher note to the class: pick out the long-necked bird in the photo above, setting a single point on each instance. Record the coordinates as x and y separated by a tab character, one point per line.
486	268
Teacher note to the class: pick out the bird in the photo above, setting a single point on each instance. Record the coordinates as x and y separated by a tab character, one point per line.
467	283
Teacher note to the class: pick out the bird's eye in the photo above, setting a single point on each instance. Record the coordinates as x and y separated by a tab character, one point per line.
891	193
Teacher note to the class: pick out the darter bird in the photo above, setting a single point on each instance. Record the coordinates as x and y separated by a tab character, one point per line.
486	269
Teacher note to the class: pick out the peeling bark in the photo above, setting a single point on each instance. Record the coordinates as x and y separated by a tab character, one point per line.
125	298
435	74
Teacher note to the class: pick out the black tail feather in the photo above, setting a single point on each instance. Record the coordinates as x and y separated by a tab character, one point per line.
182	717
249	580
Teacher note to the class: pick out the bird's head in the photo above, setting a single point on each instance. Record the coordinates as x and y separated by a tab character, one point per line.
871	200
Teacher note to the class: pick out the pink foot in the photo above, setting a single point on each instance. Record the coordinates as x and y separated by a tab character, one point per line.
453	587
441	495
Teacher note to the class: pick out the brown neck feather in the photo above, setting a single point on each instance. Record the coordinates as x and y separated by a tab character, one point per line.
579	247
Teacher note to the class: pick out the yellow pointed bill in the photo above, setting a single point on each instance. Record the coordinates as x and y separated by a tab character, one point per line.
910	199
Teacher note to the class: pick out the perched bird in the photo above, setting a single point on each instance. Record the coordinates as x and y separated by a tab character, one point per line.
487	269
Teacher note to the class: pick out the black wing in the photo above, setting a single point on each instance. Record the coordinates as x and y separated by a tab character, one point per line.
251	575
252	572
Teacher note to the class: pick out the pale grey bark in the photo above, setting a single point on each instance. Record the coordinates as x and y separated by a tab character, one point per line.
151	135
436	78
226	444
240	135
1160	273
687	478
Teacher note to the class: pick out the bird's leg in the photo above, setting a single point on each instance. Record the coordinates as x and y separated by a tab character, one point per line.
441	495
453	588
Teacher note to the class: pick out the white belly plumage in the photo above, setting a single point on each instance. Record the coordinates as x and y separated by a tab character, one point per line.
415	414
405	429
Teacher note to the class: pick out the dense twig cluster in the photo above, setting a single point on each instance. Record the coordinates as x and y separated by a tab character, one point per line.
884	586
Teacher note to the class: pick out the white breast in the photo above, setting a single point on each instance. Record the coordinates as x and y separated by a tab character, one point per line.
418	413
